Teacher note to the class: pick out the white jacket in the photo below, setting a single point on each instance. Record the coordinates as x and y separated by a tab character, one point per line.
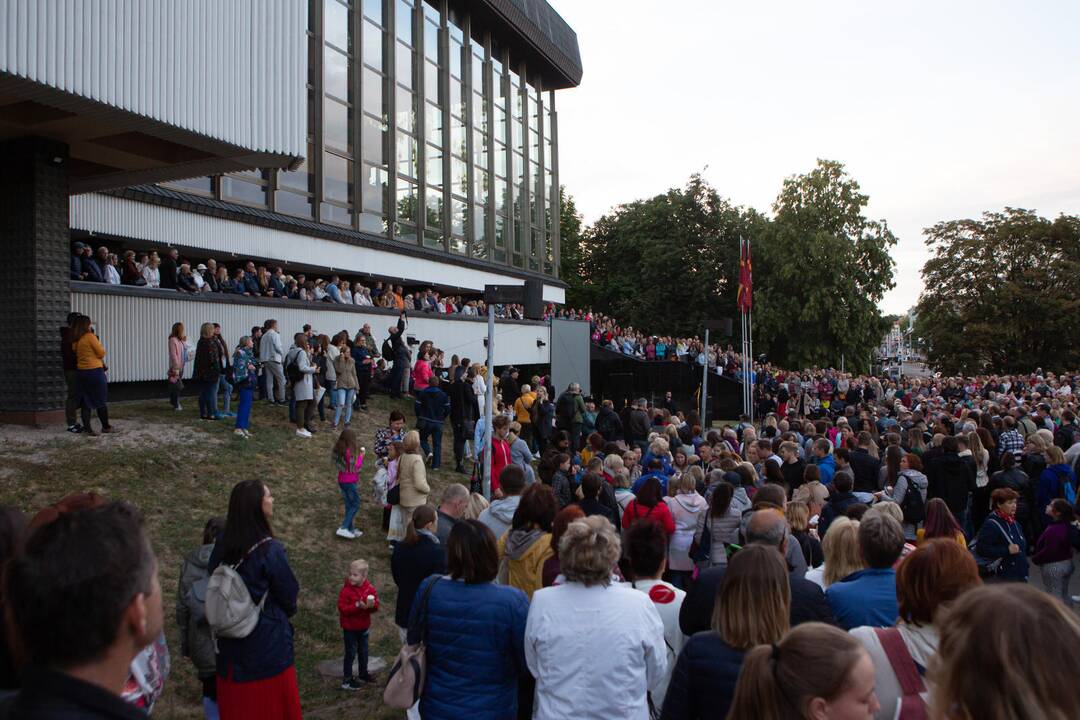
595	651
668	600
270	347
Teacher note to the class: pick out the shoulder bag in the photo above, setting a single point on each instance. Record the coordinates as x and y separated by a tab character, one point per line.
912	705
407	676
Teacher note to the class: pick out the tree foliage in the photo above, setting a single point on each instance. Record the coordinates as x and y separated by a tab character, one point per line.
999	293
570	248
821	269
667	263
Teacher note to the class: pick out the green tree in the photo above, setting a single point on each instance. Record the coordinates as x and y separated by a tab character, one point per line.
570	249
665	264
1000	293
820	270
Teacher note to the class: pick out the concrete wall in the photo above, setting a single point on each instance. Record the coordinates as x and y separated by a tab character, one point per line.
134	325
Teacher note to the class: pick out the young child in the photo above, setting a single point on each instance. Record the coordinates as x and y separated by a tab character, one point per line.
348	463
395	528
357	600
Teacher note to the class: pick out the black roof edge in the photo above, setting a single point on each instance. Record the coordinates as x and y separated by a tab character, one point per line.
545	33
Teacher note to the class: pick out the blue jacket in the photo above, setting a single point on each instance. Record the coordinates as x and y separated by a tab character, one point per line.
432	404
641	481
836	505
1052	485
76	267
992	544
665	464
866	597
827	468
268	650
475	649
703	681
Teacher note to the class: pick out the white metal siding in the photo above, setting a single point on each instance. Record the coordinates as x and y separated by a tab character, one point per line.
133	219
233	70
135	330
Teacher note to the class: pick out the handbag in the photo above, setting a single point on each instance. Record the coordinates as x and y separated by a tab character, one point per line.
406	681
393	495
912	705
989	567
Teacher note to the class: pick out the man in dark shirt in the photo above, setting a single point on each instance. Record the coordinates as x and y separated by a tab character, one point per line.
766	527
168	269
432	407
864	466
85	600
77	253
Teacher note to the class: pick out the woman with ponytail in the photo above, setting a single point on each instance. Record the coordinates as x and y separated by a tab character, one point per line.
817	672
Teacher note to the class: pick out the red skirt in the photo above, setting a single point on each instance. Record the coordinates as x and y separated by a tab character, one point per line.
275	698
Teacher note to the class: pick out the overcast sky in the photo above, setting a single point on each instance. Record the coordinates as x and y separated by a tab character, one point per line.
940	110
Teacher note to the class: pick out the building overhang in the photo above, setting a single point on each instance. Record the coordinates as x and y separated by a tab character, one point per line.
544	36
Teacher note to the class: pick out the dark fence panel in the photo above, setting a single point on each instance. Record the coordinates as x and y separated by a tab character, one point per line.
620	379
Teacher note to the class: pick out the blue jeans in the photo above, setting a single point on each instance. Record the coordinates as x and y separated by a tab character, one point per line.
225	387
352	503
343	400
243	406
208	398
434	430
356	648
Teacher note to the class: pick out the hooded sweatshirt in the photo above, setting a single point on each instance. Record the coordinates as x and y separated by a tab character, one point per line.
522	554
195	640
500	514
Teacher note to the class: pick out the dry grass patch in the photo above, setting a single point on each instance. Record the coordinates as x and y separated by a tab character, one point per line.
179	472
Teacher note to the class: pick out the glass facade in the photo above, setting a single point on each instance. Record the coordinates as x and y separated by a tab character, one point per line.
423	128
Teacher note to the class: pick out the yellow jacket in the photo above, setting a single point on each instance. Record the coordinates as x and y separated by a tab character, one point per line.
89	353
412	478
525	571
522	406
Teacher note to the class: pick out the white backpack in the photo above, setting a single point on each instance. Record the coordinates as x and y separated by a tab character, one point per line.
229	609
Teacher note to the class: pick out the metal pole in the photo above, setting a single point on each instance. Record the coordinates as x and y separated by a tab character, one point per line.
750	333
705	384
489	399
742	365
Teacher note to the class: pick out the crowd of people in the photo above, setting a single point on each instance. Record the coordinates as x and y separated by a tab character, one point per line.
169	271
863	550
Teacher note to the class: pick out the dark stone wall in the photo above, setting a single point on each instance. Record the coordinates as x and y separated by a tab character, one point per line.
34	290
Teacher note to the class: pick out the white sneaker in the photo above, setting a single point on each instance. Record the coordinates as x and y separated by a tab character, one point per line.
247	434
356	533
301	432
240	432
178	407
429	457
343	533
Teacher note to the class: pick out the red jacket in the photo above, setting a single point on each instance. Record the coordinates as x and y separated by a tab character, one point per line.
658	513
500	458
353	617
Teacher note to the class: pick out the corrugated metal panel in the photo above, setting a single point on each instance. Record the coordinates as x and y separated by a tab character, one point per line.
233	70
128	218
135	330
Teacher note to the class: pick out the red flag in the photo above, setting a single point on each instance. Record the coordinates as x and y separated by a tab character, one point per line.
746	282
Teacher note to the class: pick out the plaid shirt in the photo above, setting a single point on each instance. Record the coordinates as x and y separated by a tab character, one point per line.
1011	441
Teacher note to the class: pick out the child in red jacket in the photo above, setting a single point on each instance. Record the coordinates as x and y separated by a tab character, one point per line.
357	600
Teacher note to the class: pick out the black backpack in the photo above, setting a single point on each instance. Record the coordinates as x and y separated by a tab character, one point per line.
914	506
292	370
387	350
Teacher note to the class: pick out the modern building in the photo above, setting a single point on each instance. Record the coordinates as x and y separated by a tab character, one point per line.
424	151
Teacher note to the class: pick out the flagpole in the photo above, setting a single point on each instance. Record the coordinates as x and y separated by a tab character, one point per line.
750	333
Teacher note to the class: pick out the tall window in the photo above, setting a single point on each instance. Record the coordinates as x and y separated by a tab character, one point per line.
374	127
457	60
551	205
499	153
338	165
518	170
480	81
434	107
408	165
